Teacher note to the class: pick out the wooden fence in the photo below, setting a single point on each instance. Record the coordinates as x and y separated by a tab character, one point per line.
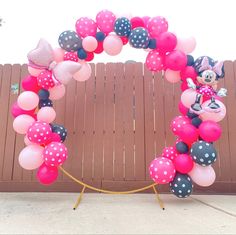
117	122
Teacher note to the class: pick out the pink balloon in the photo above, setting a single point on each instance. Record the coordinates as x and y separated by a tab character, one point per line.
89	43
86	27
58	54
145	20
105	21
178	123
210	131
186	45
182	108
34	72
55	154
39	132
30	83
188	72
212	116
46	174
71	56
172	76
188	97
45	79
22	123
188	133
202	175
184	86
112	45
31	157
28	100
170	153
27	141
16	111
157	25
84	73
57	92
183	163
154	61
176	60
46	114
162	170
166	42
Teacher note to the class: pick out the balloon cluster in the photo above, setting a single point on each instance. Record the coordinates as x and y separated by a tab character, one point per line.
188	161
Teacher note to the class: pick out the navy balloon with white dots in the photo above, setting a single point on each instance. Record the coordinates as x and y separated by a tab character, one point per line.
139	38
122	27
203	153
181	186
60	130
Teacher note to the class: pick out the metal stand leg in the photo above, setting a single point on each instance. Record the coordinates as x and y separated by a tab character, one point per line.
79	198
158	198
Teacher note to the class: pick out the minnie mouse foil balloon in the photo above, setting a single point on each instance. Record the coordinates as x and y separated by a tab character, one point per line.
53	73
209	72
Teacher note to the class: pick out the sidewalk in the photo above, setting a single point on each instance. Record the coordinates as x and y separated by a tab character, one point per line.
51	213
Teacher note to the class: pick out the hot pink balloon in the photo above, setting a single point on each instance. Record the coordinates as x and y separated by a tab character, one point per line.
157	25
188	97
58	54
86	27
30	83
89	43
183	163
16	111
84	73
184	86
188	72
57	92
154	61
188	133
182	108
55	154
162	170
112	45
22	123
170	153
202	175
178	123
46	114
210	131
71	56
166	42
172	76
145	20
31	157
176	60
39	132
105	21
28	100
33	71
186	45
46	174
45	79
212	116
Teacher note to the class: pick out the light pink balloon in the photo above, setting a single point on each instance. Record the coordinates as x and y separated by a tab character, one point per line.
28	100
217	117
22	123
172	76
58	54
46	114
186	45
105	21
188	97
84	73
31	157
27	141
202	175
57	92
112	45
34	72
89	43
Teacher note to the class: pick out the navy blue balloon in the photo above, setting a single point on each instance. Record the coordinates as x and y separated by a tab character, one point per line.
82	54
43	94
60	130
181	147
190	60
196	121
100	36
45	103
139	38
191	115
122	26
181	186
152	43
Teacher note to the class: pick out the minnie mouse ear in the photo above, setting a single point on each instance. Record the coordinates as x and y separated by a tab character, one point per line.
219	69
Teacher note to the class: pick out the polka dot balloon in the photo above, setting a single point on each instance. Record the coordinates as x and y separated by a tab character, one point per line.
55	154
178	123
45	103
105	21
45	79
181	186
162	170
154	61
203	153
86	27
60	130
139	38
122	26
170	153
71	56
157	25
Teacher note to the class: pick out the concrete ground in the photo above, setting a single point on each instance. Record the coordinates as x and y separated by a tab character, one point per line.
51	213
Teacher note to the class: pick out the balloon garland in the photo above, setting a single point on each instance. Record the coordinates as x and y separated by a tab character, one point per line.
188	161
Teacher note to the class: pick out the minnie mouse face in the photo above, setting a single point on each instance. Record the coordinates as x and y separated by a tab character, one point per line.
208	77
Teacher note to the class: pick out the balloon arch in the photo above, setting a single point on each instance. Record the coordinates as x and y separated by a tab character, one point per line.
189	160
